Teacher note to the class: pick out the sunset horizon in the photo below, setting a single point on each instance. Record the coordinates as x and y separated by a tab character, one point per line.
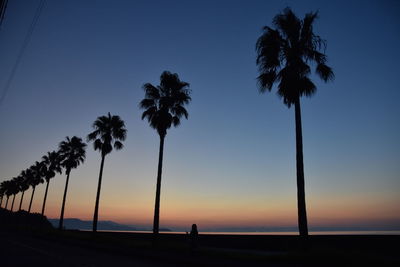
199	133
232	162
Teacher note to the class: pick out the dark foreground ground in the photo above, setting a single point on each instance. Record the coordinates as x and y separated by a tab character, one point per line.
43	246
73	248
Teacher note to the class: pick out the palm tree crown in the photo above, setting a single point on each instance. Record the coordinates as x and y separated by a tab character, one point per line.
36	174
52	164
23	181
284	54
164	104
7	187
28	174
14	186
2	192
3	188
108	133
72	152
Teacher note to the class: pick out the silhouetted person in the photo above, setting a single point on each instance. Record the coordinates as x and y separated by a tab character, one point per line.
194	235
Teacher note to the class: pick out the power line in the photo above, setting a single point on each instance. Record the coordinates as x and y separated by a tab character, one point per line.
3	7
22	50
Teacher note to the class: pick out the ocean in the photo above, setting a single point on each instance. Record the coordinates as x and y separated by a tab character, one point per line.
275	233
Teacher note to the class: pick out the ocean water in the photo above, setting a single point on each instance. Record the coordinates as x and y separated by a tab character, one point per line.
278	233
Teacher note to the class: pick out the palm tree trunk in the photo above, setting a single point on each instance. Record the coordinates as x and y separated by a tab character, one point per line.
22	197
96	207
6	202
301	198
1	201
156	222
45	196
12	204
30	203
60	226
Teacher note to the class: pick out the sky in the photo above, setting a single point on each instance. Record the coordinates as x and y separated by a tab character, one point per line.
232	163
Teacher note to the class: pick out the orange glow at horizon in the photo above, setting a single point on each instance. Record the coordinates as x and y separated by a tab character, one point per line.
284	214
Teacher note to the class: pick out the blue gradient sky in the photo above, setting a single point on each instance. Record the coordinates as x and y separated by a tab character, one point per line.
233	162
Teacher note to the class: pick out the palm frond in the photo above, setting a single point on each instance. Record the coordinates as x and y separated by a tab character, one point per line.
151	92
307	27
266	80
149	113
306	87
288	24
118	145
325	72
176	121
179	111
97	144
147	103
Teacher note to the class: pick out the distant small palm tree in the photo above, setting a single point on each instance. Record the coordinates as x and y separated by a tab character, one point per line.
51	167
108	133
14	190
5	185
164	107
35	177
283	55
72	153
24	185
2	193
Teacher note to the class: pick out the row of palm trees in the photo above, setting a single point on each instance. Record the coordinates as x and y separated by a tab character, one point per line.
43	171
31	177
283	58
108	133
164	107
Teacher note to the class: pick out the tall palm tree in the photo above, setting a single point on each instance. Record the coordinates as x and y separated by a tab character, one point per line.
164	107
35	177
24	185
72	153
51	167
283	55
108	133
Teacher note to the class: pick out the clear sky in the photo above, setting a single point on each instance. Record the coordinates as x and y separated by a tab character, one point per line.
233	162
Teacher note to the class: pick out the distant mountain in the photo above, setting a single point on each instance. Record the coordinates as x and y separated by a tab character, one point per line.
77	224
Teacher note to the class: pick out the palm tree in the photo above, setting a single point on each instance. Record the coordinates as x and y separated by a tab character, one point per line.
1	197
35	176
283	55
72	153
108	133
2	192
6	189
51	166
164	107
24	185
14	189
